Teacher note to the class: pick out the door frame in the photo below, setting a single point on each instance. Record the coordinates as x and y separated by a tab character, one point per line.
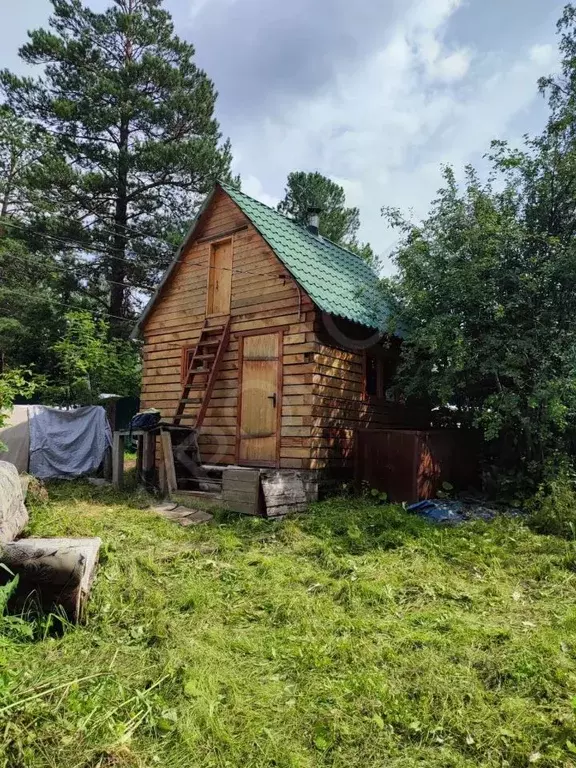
279	331
209	282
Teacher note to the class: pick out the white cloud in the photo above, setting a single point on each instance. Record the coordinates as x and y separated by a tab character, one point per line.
452	67
544	54
253	187
384	129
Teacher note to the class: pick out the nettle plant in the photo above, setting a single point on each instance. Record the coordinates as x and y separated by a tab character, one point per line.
380	497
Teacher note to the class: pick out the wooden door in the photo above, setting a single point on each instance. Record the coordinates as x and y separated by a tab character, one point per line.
220	279
260	399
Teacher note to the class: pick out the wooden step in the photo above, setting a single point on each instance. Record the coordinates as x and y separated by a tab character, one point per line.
191	400
201	494
204	357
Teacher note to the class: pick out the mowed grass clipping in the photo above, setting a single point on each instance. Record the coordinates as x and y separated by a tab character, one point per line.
356	636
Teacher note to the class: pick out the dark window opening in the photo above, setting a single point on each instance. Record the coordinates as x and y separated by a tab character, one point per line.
372	376
379	376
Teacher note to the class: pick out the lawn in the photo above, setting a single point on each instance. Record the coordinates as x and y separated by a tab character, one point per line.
356	636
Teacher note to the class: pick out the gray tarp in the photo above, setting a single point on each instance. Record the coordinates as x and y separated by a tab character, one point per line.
67	443
15	436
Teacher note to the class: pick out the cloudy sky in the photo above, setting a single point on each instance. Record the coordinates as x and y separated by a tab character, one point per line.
376	94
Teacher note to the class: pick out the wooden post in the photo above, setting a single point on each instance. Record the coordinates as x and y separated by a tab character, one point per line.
139	446
171	482
118	460
107	470
162	483
148	459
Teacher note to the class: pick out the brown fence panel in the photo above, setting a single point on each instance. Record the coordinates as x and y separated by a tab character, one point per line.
410	465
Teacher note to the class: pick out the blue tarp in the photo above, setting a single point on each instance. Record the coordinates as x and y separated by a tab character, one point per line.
66	444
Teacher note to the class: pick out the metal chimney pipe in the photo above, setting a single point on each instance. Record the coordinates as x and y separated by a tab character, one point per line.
313	220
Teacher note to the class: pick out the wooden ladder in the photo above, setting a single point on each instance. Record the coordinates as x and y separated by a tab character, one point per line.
202	371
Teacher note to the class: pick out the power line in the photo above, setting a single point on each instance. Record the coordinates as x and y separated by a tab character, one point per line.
64	304
64	268
138	232
88	249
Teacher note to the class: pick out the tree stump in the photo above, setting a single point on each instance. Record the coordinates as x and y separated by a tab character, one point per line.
54	574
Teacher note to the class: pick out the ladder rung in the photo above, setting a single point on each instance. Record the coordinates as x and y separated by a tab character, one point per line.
209	343
204	357
193	372
191	400
186	416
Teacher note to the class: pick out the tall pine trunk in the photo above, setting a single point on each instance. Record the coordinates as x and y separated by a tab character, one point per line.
117	264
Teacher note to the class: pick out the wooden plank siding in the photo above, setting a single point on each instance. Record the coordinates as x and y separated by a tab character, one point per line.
340	407
263	297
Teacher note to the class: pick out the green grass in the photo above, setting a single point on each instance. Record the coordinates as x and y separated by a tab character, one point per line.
359	636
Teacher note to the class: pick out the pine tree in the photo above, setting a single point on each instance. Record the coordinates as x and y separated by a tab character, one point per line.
313	190
136	141
337	222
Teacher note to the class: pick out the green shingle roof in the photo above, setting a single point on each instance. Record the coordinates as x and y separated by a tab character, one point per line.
337	280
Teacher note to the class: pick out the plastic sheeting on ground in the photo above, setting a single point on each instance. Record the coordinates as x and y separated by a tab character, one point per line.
67	444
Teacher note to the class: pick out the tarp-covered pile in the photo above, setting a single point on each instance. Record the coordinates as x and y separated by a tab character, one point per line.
54	443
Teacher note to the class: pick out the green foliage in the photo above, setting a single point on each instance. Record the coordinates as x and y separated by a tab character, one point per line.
31	316
91	364
23	148
553	508
445	491
485	292
312	190
356	636
337	222
14	383
378	496
135	141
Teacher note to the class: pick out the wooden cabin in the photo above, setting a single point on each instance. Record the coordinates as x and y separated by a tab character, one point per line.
266	337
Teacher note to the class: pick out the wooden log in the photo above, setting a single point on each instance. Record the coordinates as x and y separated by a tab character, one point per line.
55	574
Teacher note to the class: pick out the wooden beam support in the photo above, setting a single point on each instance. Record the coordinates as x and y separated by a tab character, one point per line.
222	235
118	460
169	467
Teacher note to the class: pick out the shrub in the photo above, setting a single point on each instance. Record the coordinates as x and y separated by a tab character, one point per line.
553	508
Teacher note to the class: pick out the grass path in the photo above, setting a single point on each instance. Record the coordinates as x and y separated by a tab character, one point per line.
357	637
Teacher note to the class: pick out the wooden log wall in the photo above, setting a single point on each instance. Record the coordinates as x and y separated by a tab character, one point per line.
263	297
339	407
